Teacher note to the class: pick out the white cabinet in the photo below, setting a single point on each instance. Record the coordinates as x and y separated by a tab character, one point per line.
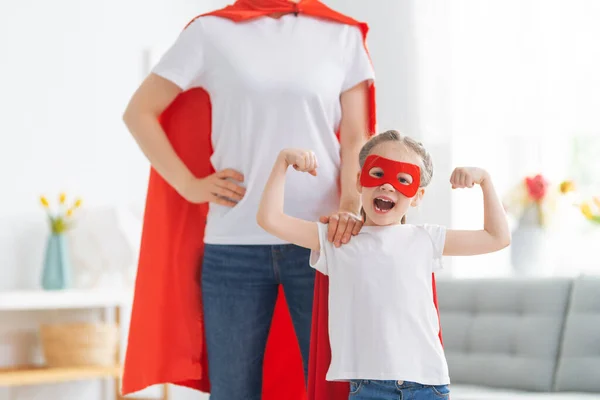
110	301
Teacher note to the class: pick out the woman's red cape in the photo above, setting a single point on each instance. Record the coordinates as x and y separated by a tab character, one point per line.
166	336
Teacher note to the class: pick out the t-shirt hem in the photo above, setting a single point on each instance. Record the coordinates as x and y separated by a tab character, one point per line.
346	376
175	78
243	240
317	258
370	79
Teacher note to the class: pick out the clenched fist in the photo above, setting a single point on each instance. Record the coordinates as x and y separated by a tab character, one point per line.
301	160
467	177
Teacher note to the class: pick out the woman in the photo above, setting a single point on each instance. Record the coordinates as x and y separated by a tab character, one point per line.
238	85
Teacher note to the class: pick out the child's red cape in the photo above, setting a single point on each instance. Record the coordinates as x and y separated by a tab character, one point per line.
166	337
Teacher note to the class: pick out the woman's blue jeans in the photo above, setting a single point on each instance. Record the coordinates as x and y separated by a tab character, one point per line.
239	291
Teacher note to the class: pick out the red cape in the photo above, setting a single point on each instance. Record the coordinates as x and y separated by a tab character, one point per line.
166	335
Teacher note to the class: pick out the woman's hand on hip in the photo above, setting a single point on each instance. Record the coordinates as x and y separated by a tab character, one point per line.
342	225
216	188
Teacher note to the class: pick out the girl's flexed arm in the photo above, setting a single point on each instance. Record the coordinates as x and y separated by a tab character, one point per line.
495	234
270	211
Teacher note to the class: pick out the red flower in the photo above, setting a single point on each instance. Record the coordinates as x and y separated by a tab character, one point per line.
536	187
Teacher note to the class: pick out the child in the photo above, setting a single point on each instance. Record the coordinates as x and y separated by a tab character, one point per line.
383	326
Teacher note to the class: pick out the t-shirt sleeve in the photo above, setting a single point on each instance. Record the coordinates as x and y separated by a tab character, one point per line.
183	62
437	234
318	259
357	62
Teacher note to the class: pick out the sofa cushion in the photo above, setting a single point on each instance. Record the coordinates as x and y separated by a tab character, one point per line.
503	333
579	361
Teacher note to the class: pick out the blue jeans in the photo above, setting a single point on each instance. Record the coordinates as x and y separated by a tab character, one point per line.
239	291
396	390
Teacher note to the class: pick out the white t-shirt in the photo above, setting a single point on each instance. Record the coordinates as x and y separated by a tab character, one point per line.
273	83
383	324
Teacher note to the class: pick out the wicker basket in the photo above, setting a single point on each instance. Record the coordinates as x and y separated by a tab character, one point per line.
79	344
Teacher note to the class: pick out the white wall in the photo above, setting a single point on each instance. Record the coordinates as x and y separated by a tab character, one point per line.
67	70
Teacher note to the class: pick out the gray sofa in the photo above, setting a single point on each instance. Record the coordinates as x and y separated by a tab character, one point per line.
512	339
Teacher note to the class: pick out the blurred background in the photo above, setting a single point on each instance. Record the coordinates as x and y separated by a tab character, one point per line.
511	86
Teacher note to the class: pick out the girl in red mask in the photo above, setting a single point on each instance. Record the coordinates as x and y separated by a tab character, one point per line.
383	324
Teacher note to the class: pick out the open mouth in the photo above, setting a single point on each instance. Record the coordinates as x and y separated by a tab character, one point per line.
383	204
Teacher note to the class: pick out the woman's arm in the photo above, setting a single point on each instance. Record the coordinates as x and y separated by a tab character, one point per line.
270	211
141	118
495	234
353	135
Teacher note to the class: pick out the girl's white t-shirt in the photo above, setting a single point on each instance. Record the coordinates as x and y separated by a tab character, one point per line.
383	324
273	84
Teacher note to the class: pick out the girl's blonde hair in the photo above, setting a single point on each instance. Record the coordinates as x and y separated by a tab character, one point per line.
426	166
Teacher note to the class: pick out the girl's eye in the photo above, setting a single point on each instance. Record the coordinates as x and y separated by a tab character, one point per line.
405	180
376	172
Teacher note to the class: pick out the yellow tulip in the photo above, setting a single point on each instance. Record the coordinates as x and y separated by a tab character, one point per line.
44	201
77	203
567	186
62	198
586	210
70	212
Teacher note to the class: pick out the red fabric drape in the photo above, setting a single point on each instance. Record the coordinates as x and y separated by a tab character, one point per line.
166	341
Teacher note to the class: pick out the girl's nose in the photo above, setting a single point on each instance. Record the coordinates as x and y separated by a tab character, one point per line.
387	187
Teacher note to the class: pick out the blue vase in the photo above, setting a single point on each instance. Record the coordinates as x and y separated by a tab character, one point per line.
56	274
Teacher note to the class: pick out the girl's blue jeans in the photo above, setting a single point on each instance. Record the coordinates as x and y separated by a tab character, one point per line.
363	389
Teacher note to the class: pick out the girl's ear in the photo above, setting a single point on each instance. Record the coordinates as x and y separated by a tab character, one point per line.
358	185
416	200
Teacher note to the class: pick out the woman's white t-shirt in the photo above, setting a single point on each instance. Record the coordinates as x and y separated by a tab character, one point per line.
383	324
273	84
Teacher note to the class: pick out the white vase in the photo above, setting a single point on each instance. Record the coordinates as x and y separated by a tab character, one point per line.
528	245
105	246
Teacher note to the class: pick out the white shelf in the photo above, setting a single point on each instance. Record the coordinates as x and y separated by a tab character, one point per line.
63	299
36	376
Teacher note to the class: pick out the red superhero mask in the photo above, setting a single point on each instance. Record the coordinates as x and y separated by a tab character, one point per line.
391	169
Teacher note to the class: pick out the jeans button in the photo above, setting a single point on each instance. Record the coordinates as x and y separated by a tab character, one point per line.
400	382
